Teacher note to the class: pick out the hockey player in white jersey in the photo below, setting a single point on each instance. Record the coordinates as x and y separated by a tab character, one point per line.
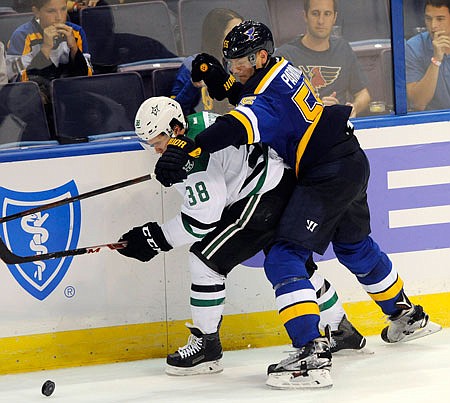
233	200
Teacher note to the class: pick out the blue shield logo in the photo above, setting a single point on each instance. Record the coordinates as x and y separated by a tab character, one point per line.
46	231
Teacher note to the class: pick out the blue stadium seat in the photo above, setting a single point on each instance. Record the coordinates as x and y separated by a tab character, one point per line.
22	115
162	80
126	33
9	23
153	83
87	106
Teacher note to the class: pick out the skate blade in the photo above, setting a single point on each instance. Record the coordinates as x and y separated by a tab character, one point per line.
353	352
314	379
429	328
212	367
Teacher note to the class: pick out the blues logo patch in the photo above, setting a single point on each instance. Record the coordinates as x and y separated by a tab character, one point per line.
47	231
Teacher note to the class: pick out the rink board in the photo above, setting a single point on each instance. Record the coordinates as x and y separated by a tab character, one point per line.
104	307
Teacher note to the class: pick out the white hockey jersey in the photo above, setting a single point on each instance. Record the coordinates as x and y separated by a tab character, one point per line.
216	181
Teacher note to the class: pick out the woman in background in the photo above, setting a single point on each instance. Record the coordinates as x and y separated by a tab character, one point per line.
216	25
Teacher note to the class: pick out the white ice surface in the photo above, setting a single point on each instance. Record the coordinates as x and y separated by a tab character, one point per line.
417	371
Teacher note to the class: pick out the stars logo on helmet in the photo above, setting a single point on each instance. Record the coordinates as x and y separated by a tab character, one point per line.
155	110
250	33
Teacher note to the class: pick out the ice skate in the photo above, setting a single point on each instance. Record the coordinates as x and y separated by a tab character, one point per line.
346	337
410	324
201	354
307	367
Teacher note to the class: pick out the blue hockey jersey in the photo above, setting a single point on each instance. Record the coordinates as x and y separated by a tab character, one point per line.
278	107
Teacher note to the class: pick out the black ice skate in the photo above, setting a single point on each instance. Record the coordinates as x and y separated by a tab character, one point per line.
346	337
201	354
410	324
307	367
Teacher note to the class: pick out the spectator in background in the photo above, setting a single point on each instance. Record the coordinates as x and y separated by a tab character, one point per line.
216	25
329	62
427	60
3	75
47	47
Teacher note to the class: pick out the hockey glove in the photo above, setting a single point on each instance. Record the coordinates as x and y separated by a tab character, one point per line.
207	68
171	167
145	242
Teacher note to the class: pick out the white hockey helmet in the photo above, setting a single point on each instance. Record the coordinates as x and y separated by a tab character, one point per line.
155	116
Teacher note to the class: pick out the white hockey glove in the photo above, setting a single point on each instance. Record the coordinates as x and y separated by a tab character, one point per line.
144	242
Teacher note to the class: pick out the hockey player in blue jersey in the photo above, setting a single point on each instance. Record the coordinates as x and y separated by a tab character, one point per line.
276	105
232	200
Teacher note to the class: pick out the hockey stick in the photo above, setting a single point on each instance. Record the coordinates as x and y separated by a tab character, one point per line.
10	258
82	196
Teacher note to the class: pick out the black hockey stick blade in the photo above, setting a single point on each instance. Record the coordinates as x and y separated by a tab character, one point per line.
82	196
11	258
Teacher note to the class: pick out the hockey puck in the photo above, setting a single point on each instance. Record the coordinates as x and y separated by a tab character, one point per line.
48	388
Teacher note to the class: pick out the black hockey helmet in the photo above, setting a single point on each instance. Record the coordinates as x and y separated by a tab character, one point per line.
247	38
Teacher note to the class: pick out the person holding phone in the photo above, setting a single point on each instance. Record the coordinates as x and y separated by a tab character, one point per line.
47	47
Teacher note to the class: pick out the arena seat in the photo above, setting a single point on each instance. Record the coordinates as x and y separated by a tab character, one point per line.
162	81
146	70
87	106
9	23
22	115
126	33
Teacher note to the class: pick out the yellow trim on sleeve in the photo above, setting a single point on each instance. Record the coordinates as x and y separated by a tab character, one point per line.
28	39
246	123
268	75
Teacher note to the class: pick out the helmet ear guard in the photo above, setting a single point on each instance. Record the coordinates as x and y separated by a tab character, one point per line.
246	39
158	115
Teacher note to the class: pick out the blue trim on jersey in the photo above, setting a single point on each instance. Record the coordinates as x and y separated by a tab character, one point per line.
70	150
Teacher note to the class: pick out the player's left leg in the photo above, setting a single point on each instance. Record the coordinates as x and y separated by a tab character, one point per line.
356	250
380	280
203	352
244	229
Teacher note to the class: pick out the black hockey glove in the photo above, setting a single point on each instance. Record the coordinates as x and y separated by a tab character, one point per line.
145	242
171	166
207	68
